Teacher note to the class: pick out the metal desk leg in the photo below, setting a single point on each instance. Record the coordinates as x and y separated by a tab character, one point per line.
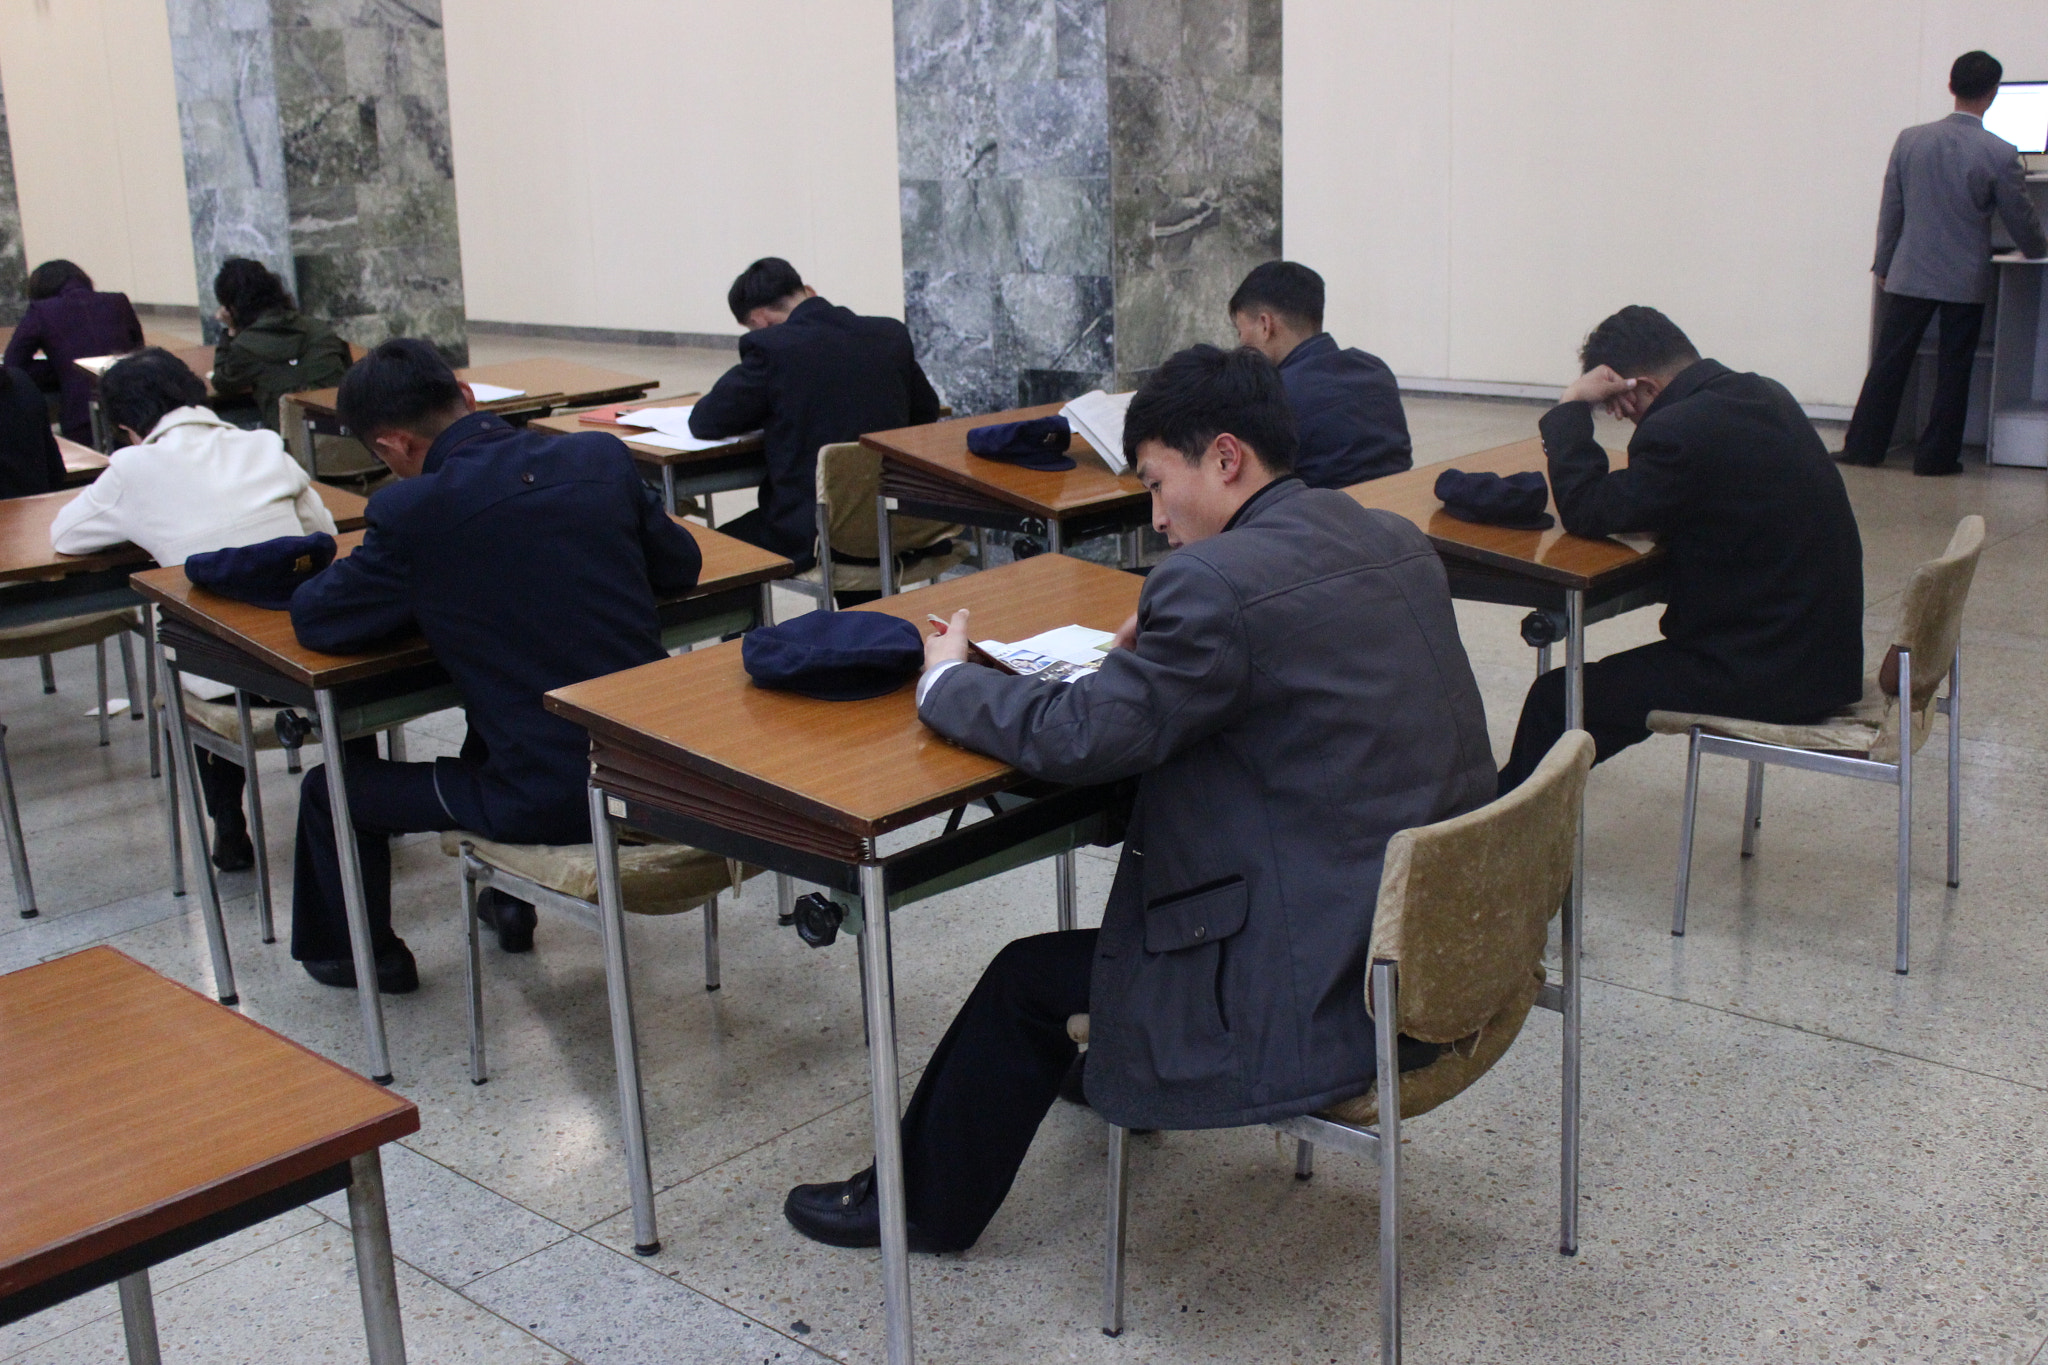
376	1276
766	612
312	447
1573	935
611	920
668	492
352	891
171	802
1063	882
252	789
885	542
149	649
48	666
17	846
875	973
394	743
1055	543
128	675
138	1319
184	763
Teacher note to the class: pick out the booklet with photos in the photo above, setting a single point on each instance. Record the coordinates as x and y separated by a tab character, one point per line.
1063	655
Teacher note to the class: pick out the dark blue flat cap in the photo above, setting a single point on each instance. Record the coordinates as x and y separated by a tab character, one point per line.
1516	502
835	655
263	574
1036	444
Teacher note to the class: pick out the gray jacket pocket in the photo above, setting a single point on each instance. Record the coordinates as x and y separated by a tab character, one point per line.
1189	919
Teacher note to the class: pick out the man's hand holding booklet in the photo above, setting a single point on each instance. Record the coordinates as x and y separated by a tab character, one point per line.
1064	654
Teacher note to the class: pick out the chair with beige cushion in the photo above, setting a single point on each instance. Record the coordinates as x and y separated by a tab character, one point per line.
1458	941
1862	741
654	879
849	476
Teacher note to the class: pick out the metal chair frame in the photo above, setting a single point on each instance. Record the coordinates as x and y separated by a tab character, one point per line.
243	755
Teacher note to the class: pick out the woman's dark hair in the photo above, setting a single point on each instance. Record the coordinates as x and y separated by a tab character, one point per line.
1287	288
1974	75
1637	341
763	284
402	384
137	390
47	280
1205	391
248	290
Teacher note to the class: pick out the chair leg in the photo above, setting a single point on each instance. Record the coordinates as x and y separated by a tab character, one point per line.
252	795
1905	812
149	691
474	963
1753	810
99	663
171	813
1955	769
1685	824
1304	1159
711	944
49	674
17	846
128	676
1385	995
394	744
138	1319
1119	1207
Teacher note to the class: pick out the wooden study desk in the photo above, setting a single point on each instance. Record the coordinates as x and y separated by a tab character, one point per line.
690	750
145	1121
255	651
927	472
82	464
738	463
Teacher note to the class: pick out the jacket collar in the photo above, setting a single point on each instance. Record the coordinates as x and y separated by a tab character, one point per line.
812	308
194	416
1977	119
1276	491
1322	343
1689	381
460	433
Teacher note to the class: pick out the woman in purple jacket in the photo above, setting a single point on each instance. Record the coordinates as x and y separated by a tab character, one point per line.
68	319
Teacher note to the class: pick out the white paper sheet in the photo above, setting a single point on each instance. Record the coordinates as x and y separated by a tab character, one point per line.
494	393
662	440
1099	418
674	421
1065	654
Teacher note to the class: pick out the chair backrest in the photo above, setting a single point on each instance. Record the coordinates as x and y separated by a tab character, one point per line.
849	476
1931	615
1465	904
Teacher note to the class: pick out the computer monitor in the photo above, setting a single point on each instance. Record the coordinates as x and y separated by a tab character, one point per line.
2020	115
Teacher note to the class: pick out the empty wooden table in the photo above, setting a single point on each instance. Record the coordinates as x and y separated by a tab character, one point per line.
927	472
689	749
256	652
144	1121
723	468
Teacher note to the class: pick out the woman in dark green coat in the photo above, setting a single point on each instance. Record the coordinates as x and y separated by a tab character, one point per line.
267	347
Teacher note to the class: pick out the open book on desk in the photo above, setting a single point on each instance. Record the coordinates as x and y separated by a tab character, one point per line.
1099	417
1062	655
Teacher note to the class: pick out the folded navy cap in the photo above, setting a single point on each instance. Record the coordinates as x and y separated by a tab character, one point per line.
835	655
1517	502
263	574
1035	444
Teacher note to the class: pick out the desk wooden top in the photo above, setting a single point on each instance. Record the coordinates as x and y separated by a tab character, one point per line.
569	423
25	552
565	383
939	452
861	767
267	635
80	461
1553	555
136	1106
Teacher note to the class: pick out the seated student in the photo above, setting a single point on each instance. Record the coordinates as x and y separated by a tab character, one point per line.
1290	693
1347	407
529	561
268	348
809	375
29	459
185	483
1765	588
68	319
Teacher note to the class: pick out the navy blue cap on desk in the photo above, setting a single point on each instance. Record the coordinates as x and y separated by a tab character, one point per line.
264	574
1033	444
835	655
1517	502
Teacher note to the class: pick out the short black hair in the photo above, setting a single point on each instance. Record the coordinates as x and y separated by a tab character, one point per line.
402	384
248	290
1974	75
47	280
1286	288
1637	341
1205	391
137	390
763	284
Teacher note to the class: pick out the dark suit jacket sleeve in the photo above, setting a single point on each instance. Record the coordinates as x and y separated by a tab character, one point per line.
1185	680
2009	194
28	337
53	458
357	601
1594	501
133	323
1891	217
673	560
234	370
924	400
739	402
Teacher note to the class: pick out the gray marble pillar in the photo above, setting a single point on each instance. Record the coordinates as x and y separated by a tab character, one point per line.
316	140
13	265
1084	182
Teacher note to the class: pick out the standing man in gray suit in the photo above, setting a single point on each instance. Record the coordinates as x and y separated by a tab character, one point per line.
1291	692
1945	181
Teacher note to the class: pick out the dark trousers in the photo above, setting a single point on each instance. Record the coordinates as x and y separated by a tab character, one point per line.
222	781
1898	341
989	1084
752	527
384	798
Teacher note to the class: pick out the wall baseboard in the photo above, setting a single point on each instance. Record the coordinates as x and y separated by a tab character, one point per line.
186	311
615	336
1549	393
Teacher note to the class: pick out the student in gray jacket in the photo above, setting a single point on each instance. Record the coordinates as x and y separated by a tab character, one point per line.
1290	693
1945	181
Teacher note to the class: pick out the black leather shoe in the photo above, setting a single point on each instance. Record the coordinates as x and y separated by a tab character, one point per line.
232	851
397	973
846	1213
510	919
1939	472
